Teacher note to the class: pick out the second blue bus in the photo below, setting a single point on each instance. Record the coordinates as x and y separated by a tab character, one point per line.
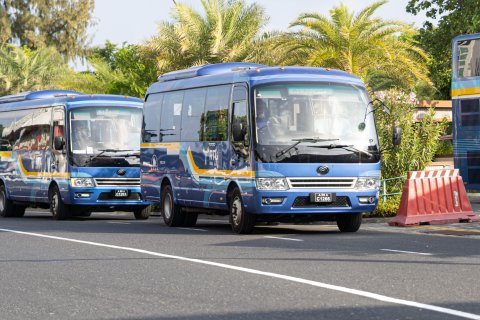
260	144
70	152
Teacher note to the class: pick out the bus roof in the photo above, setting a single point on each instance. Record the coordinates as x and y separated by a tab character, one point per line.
466	37
32	99
254	74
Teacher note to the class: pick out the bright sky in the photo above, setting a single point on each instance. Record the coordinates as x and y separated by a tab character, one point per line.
133	21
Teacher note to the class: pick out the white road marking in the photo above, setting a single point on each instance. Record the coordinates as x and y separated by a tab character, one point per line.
282	238
361	293
193	229
411	252
115	222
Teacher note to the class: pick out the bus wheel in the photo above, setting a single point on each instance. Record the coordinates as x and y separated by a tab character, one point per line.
241	221
349	222
58	209
172	214
142	213
7	207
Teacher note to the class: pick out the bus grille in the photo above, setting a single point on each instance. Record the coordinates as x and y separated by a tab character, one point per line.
117	182
304	202
322	182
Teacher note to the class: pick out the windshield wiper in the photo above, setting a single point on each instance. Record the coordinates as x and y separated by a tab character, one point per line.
108	150
298	141
348	147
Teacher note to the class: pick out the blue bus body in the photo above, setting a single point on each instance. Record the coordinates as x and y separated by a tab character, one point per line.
40	162
466	108
320	178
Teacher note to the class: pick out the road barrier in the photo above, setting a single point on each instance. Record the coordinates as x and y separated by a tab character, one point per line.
433	197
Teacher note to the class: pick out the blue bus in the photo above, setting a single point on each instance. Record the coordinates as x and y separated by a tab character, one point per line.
260	144
70	152
466	108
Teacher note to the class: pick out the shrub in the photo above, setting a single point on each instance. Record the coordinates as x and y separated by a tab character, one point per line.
386	209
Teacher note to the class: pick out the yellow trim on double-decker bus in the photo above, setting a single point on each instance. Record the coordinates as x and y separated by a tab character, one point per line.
465	92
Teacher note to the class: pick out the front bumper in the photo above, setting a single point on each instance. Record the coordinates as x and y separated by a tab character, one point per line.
105	197
296	201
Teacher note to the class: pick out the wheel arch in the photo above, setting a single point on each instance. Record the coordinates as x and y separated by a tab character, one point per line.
232	185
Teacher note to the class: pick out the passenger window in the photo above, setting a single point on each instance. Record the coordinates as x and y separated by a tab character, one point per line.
470	112
193	109
7	131
216	113
151	118
58	123
32	129
171	117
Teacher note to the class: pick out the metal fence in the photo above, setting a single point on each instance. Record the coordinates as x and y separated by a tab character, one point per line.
391	187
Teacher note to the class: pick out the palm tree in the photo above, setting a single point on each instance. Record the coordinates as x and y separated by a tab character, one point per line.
225	32
23	69
366	46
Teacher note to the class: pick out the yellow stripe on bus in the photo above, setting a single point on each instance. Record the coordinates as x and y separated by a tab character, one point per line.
41	174
465	92
216	172
173	145
6	154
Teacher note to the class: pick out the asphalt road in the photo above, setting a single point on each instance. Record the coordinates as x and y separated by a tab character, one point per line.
110	266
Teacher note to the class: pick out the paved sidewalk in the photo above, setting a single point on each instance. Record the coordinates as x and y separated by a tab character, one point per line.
470	230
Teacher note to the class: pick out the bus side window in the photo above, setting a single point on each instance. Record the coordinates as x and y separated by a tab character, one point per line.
7	138
193	107
151	118
171	116
216	113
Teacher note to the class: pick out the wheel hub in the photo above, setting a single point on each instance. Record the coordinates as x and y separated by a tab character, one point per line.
236	211
167	207
2	201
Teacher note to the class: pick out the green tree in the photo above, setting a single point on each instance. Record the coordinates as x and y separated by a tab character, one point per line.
420	140
125	70
225	32
23	69
368	47
456	17
61	24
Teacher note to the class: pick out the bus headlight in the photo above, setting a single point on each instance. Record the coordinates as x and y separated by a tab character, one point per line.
367	183
272	184
82	182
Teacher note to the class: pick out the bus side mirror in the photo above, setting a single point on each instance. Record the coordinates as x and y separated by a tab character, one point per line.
58	143
238	132
397	136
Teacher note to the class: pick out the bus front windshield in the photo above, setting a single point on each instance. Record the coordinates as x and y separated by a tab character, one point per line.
314	122
105	136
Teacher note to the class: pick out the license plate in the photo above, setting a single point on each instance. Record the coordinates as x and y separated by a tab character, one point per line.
322	197
120	193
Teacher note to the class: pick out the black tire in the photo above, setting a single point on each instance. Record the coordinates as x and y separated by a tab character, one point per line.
172	213
349	222
190	219
142	213
241	221
19	210
59	210
7	208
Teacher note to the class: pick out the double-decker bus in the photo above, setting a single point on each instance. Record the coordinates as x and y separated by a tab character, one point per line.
466	108
259	143
70	152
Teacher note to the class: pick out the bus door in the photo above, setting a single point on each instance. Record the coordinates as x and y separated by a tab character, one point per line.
32	133
57	161
240	135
